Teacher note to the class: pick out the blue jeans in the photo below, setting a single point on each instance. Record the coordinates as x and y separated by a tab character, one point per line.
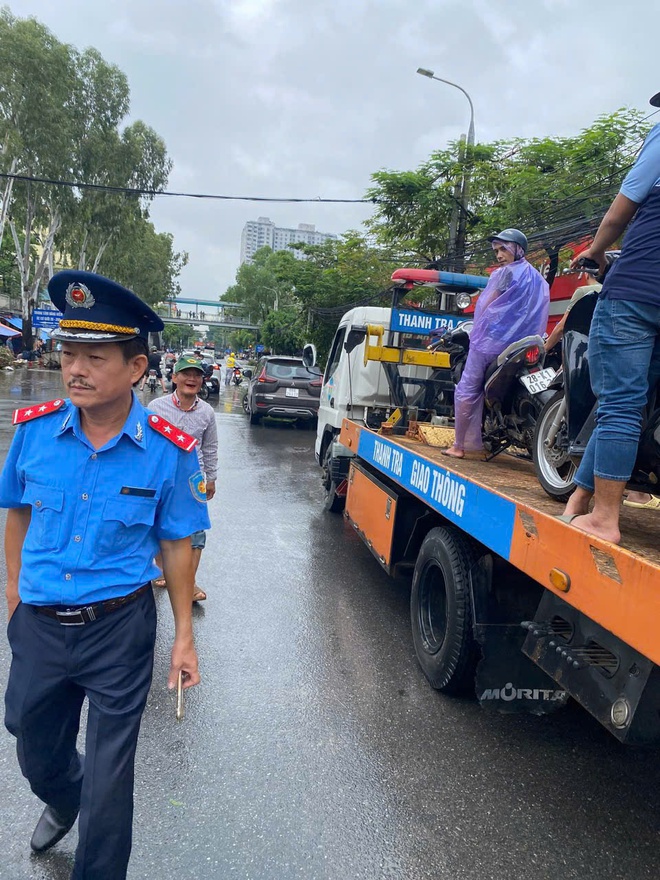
624	351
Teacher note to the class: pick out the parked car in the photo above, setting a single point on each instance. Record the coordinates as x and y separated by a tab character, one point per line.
282	387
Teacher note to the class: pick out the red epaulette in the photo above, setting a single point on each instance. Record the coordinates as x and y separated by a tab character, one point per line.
175	435
38	409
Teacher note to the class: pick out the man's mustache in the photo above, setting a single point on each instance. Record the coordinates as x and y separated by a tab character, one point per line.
79	383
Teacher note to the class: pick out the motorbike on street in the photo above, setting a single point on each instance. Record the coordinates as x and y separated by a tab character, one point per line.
569	417
515	393
237	376
152	381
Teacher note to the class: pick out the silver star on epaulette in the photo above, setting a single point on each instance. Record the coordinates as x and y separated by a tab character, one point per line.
138	432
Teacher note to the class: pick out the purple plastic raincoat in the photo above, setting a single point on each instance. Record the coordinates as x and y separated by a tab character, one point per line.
513	304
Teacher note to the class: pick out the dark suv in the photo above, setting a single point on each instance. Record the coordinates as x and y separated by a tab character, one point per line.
283	387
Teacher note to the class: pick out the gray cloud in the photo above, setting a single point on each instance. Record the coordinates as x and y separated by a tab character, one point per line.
306	98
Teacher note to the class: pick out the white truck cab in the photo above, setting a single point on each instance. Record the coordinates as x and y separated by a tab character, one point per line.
349	387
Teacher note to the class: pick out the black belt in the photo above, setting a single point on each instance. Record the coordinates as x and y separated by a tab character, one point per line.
78	615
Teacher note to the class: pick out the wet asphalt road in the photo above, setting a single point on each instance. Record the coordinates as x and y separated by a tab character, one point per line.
314	748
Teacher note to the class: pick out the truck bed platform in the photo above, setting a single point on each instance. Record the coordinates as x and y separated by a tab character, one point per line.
501	505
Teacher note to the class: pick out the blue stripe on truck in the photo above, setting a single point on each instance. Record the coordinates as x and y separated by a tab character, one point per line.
483	514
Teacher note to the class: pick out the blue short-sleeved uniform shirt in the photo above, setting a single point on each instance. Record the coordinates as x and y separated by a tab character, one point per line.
636	274
97	514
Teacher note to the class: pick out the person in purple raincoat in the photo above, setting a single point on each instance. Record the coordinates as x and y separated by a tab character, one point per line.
513	304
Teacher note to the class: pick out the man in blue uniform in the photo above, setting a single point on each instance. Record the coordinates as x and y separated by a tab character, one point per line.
624	343
95	487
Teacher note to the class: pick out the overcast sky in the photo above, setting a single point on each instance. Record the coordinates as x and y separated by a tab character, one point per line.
306	98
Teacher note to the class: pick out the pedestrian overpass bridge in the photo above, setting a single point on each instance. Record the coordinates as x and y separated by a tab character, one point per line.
195	312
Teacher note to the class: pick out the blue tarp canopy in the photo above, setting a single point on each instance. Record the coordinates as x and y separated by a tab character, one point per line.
18	322
7	331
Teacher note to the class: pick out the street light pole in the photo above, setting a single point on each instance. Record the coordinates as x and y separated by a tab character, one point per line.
462	189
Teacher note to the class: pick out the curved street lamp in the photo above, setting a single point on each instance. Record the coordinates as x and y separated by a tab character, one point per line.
431	75
457	231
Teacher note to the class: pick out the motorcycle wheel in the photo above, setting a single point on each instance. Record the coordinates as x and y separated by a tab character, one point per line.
554	468
204	391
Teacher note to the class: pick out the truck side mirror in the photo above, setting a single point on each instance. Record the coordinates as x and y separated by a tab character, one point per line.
309	355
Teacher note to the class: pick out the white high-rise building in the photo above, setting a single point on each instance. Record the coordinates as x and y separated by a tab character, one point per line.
263	232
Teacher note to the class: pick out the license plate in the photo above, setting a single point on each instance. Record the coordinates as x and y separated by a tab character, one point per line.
540	381
291	392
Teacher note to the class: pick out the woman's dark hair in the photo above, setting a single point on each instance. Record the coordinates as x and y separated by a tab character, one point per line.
133	347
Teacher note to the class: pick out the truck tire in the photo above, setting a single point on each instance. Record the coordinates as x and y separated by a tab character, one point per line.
441	611
554	469
333	502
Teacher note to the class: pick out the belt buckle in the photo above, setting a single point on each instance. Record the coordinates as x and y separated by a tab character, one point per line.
76	612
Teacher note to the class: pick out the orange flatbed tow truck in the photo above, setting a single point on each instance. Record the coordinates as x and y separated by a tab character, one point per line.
506	599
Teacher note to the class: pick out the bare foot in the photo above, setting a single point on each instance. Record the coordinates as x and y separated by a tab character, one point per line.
578	503
453	452
592	526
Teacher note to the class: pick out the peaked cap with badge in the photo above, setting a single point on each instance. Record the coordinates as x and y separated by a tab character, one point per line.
96	309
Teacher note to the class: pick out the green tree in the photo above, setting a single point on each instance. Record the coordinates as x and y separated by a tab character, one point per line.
37	95
555	189
258	287
62	117
332	277
336	276
145	261
242	339
281	331
178	336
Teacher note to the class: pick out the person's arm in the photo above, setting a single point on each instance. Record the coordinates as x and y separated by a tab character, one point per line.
557	333
18	521
612	227
210	456
638	183
178	572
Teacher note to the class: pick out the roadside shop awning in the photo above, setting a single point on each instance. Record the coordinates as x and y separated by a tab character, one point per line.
7	331
18	322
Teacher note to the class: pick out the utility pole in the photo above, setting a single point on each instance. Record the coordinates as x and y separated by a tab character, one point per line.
458	225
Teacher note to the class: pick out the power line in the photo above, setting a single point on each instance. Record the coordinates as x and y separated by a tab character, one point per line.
134	191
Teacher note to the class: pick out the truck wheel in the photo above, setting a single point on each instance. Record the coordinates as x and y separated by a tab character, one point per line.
333	502
441	611
554	469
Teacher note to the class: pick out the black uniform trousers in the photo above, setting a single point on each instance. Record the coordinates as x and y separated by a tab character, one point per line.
53	668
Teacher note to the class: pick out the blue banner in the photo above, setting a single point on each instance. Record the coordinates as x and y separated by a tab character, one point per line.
422	323
485	515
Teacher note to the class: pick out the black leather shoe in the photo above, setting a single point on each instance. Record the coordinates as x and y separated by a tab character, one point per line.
51	828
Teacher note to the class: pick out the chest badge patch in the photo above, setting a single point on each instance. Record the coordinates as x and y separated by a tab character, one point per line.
197	485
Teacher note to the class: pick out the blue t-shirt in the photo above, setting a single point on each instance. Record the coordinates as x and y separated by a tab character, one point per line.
97	515
636	274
